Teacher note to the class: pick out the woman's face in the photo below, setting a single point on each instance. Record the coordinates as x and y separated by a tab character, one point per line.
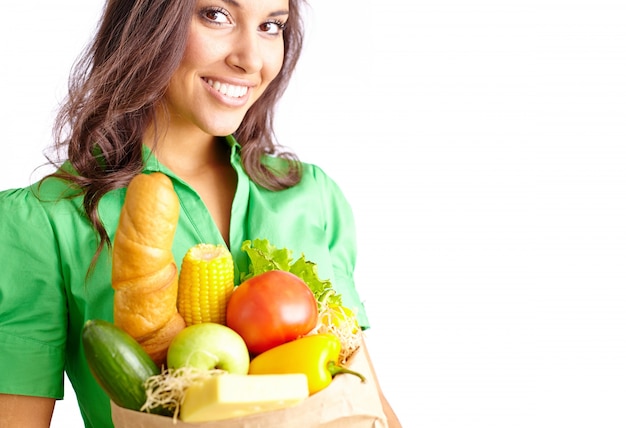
234	50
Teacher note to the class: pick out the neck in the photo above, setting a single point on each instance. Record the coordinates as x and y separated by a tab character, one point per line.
187	151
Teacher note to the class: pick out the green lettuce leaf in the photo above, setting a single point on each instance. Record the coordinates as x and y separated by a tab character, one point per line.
265	257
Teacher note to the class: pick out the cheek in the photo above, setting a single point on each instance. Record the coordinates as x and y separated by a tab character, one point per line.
198	52
201	49
273	64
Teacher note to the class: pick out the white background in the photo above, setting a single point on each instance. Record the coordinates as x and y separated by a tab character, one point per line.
482	146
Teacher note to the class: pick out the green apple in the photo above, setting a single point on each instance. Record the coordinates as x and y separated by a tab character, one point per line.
209	346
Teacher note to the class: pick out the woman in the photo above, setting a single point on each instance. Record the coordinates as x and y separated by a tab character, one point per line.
187	88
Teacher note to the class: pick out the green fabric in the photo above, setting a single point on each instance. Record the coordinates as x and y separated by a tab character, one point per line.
46	245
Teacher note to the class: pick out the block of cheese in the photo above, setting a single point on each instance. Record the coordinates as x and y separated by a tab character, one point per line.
232	395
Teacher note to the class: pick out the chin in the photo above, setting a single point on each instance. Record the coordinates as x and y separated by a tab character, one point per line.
224	128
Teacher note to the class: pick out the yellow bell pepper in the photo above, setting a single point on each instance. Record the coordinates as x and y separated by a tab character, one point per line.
316	356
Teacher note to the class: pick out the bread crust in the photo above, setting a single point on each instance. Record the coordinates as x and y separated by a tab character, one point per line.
145	275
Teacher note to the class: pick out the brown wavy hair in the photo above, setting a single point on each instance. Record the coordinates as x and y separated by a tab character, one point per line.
115	90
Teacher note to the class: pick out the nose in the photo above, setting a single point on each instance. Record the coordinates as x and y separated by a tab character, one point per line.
246	51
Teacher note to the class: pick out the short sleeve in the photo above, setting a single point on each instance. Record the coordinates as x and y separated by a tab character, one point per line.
33	308
342	244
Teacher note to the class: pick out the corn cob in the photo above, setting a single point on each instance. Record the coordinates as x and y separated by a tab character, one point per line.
205	284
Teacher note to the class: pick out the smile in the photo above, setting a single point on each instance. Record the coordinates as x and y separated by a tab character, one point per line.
232	91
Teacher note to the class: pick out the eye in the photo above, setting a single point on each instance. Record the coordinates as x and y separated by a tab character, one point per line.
273	28
216	15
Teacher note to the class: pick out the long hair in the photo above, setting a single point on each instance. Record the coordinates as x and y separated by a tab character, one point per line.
115	91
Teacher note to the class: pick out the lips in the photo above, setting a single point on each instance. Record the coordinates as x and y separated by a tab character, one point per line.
227	89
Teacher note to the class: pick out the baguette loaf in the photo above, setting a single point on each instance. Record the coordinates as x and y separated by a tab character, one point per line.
145	275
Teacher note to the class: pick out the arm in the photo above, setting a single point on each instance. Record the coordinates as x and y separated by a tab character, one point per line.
33	314
392	419
25	412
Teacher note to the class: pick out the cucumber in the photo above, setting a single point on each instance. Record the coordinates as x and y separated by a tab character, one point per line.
118	363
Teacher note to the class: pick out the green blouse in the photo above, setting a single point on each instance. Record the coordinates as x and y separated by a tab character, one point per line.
47	243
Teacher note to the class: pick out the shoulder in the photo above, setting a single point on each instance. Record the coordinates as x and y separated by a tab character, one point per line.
312	174
315	177
35	204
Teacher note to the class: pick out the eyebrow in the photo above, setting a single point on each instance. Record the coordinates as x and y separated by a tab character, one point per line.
275	13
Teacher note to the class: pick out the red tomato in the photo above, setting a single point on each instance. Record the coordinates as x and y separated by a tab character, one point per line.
270	309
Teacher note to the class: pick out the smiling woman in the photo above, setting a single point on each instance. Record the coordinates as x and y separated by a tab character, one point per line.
505	227
204	92
190	90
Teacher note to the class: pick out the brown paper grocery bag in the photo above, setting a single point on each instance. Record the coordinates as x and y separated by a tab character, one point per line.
345	403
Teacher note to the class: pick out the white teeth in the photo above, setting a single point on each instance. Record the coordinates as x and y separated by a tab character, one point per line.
229	90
